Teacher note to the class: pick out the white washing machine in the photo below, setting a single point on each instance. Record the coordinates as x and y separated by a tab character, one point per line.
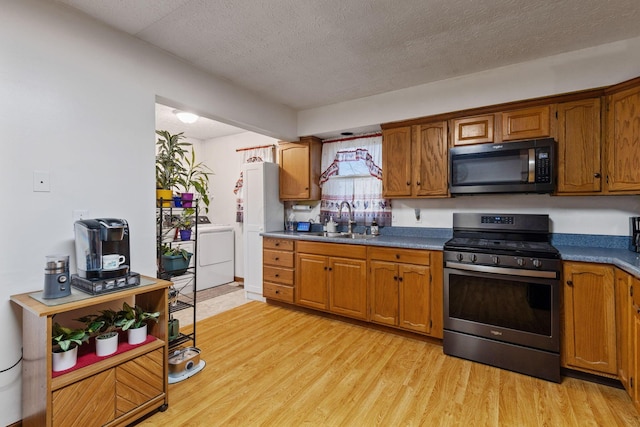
216	254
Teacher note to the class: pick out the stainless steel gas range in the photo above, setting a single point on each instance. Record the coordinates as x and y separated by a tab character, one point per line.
501	293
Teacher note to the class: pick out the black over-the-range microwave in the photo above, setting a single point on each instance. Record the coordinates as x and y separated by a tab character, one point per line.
509	167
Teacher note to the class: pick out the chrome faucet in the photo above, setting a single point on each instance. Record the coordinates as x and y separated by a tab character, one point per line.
351	221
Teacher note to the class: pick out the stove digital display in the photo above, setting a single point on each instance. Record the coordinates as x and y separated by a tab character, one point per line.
497	220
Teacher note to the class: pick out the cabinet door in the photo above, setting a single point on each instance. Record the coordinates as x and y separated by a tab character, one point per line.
415	297
383	292
579	168
88	402
526	123
624	326
635	362
589	317
348	287
430	160
623	141
138	381
396	162
295	171
311	281
473	130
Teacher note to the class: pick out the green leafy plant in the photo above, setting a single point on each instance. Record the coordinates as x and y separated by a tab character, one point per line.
105	322
175	251
196	176
185	222
135	317
170	159
65	338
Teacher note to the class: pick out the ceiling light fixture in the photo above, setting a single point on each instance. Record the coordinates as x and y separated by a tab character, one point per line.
185	117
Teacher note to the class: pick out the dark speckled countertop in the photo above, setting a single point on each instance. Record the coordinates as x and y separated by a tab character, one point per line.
573	247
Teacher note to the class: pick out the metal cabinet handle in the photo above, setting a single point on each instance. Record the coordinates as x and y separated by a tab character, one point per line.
596	175
570	282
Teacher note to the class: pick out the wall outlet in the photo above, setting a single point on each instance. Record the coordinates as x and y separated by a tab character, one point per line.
80	214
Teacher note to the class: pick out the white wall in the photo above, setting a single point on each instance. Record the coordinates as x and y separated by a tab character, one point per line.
584	69
221	156
78	101
603	215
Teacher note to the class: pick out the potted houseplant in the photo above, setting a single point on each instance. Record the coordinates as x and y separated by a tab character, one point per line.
195	176
65	346
104	325
175	260
185	223
134	320
170	157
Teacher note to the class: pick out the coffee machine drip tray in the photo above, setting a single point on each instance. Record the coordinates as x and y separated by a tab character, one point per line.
102	286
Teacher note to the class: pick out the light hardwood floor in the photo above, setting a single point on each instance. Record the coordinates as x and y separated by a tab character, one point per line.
272	366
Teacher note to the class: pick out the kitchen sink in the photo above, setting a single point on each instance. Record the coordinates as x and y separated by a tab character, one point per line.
354	236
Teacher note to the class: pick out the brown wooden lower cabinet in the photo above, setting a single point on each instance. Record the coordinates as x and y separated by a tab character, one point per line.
395	287
278	269
113	391
332	277
589	313
402	290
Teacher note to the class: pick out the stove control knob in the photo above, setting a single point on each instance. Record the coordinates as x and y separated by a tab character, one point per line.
537	263
520	262
495	260
473	258
459	257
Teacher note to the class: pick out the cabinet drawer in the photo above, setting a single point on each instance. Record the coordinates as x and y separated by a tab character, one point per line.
408	256
279	244
278	275
344	250
279	292
278	258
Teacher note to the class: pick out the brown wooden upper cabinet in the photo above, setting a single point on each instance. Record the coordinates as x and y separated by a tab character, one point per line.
473	130
579	147
414	161
300	169
623	138
527	123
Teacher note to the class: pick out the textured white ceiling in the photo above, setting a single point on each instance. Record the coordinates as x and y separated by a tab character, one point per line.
308	53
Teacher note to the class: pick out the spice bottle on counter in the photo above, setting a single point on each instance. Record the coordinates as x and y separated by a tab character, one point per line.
374	228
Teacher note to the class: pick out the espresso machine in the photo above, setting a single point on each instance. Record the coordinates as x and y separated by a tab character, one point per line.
102	256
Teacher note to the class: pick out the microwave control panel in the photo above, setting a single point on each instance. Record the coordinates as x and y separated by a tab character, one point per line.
543	165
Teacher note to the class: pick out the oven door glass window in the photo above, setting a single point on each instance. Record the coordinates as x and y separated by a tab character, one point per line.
501	302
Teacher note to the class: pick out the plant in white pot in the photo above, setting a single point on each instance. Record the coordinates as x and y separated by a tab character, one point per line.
134	320
104	327
65	343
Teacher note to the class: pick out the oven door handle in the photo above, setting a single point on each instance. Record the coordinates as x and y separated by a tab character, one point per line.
502	270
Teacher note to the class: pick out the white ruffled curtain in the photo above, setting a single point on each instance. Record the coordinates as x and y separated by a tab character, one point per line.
261	154
360	158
